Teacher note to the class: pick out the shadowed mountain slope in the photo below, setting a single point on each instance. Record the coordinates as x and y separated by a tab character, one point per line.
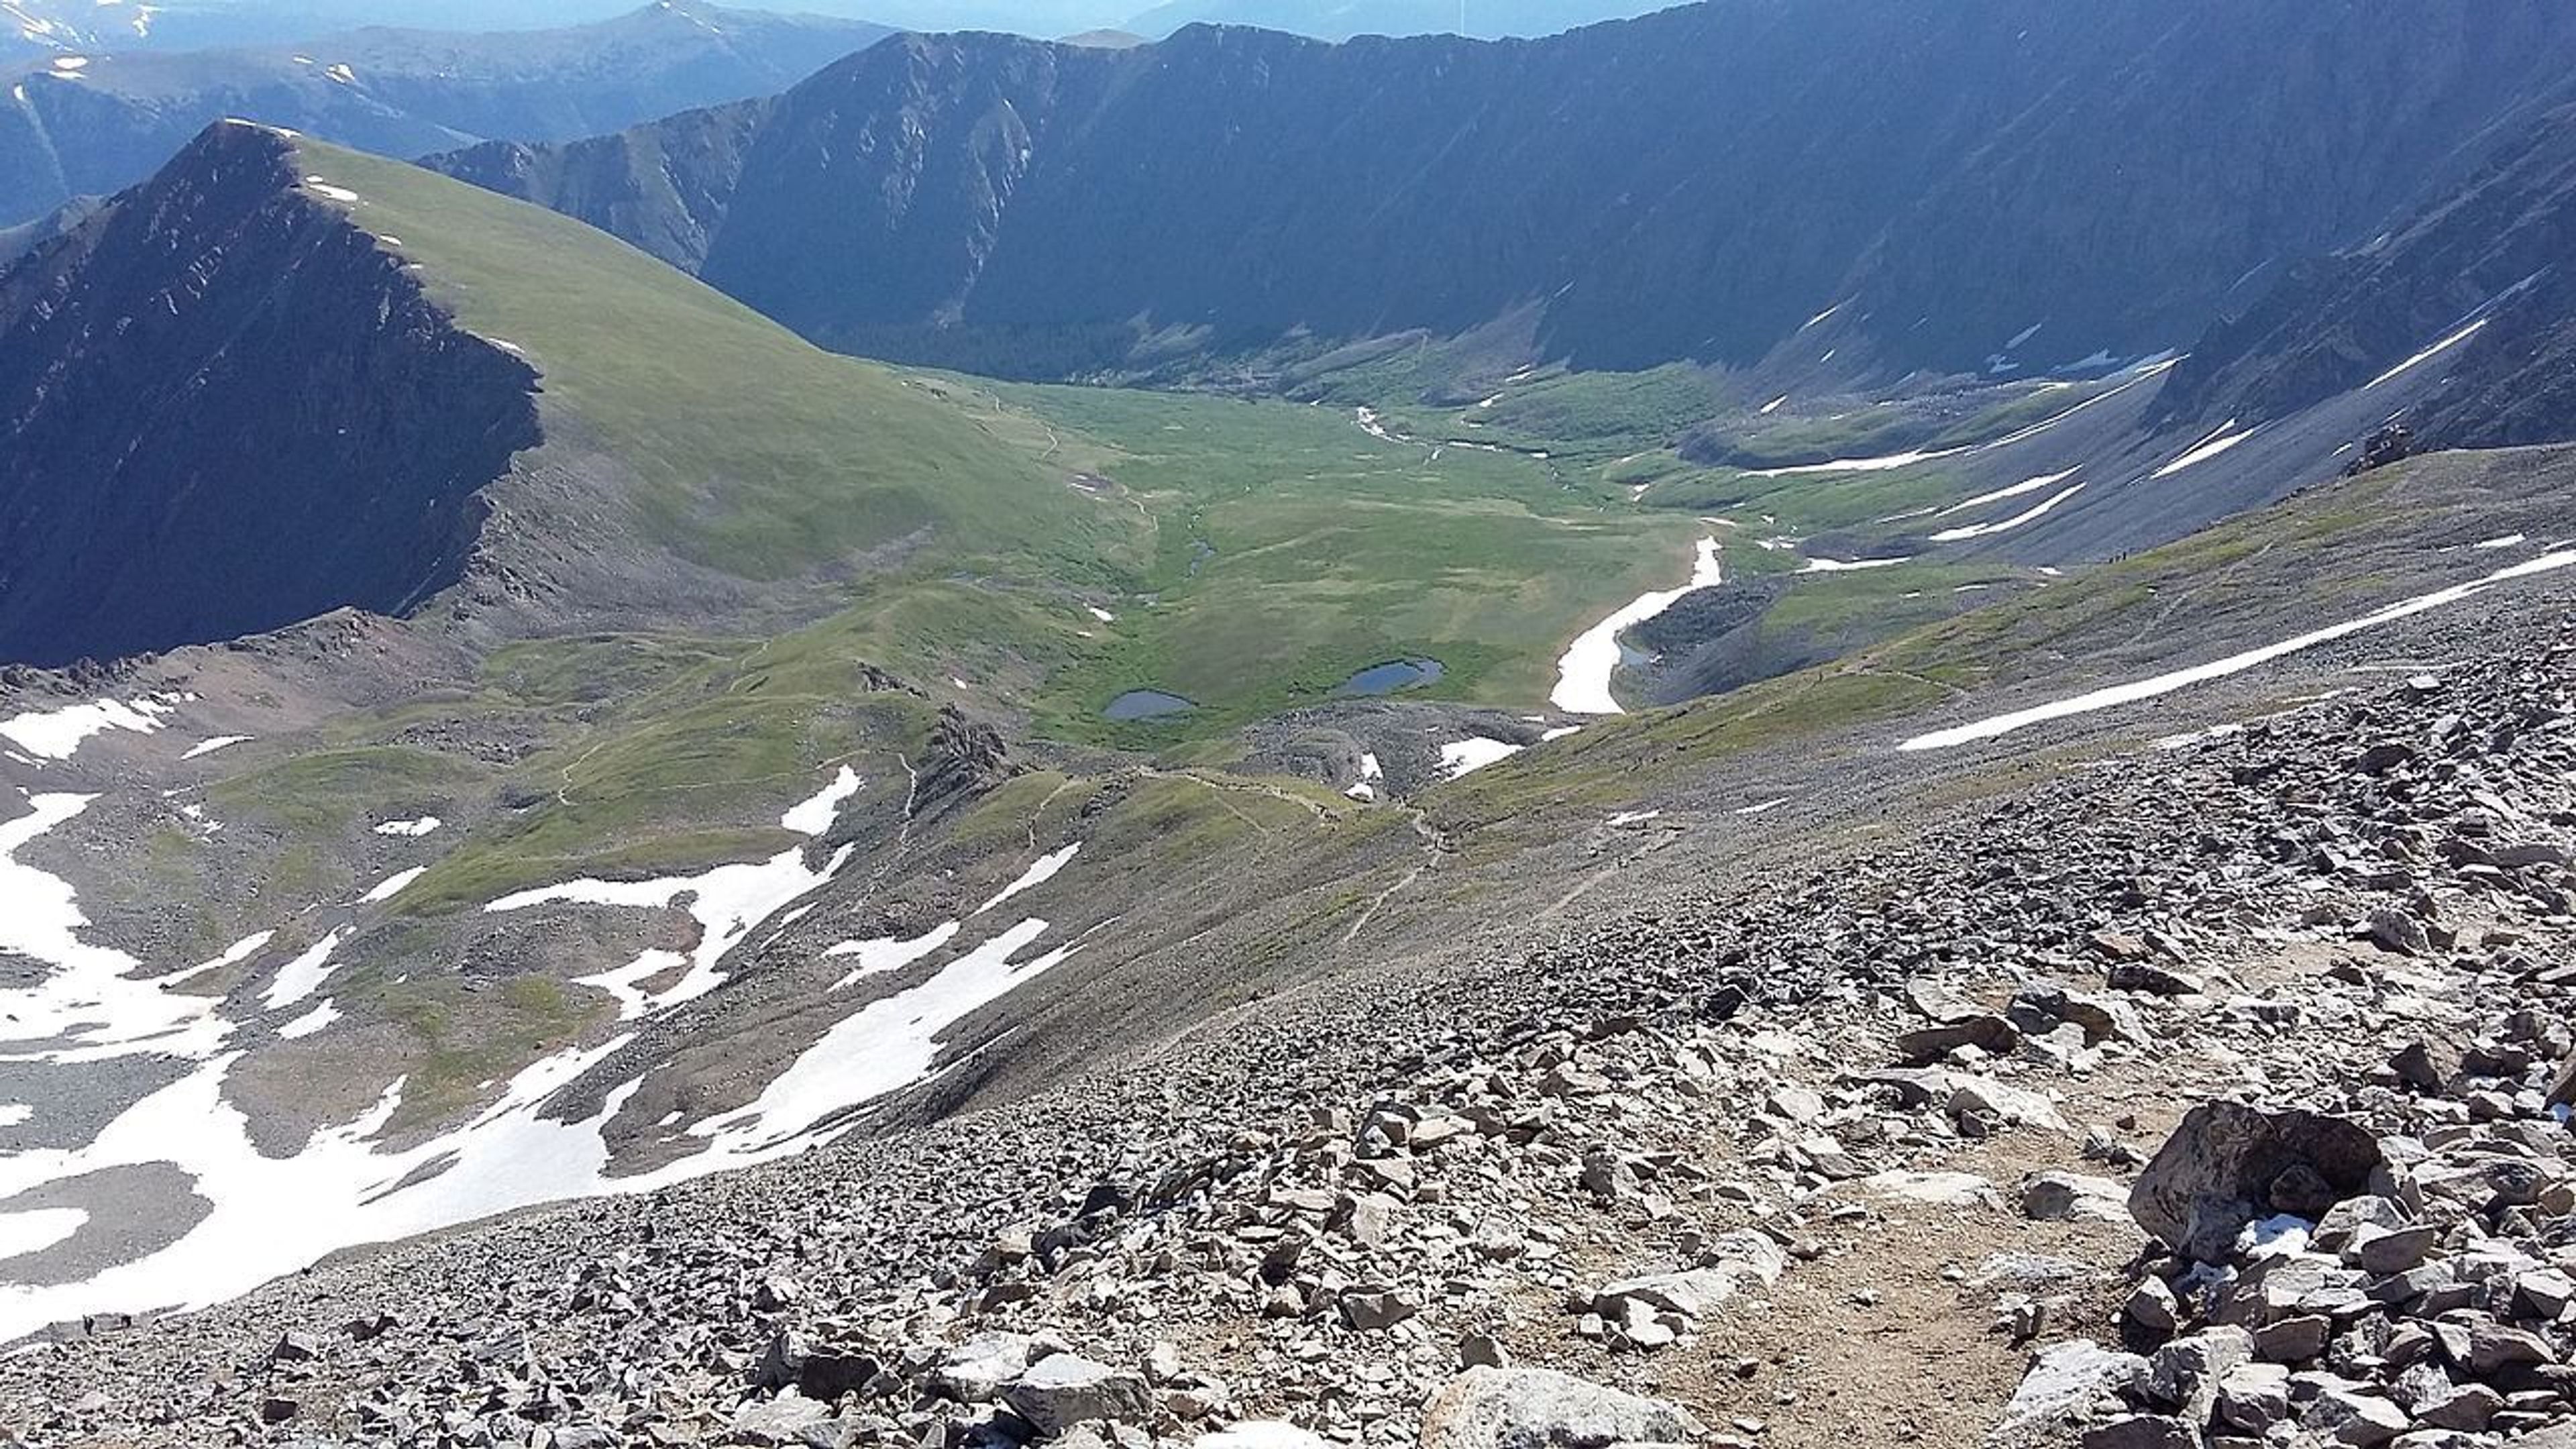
1962	184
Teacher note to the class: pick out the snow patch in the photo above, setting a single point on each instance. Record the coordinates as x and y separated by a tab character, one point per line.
322	1015
2508	541
219	742
304	975
2027	515
1848	566
87	1007
2167	683
1465	757
1036	875
37	1229
878	957
815	816
414	828
2206	449
1583	671
2428	354
57	734
889	1043
392	885
2027	485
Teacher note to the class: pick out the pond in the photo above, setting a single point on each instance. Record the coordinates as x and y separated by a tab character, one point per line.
1391	676
1138	704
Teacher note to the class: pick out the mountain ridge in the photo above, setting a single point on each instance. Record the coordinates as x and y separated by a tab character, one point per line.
1336	193
91	124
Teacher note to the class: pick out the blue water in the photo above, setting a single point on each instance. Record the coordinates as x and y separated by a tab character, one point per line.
1391	676
1138	704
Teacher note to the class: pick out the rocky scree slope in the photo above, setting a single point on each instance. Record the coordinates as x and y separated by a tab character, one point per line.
1614	1188
2481	267
94	118
1698	183
227	409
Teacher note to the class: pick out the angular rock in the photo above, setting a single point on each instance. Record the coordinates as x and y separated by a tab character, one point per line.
1491	1408
2058	1197
2355	1417
1064	1389
2226	1165
2062	1385
2141	1431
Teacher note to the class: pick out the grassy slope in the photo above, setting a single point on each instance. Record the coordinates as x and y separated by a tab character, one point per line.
2331	553
1293	549
755	452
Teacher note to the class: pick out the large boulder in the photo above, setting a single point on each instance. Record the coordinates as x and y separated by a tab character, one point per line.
2228	1164
1492	1408
1065	1389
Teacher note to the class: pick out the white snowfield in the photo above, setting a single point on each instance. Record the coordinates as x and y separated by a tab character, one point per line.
91	1007
2227	436
1036	875
1848	566
219	742
270	1216
2027	485
1465	757
2031	514
58	734
2428	354
1583	672
2162	684
425	825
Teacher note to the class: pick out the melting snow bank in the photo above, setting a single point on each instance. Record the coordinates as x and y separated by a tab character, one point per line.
1583	672
1848	566
2510	540
1036	875
392	885
87	1007
2429	353
876	958
2162	684
729	902
219	742
2027	485
32	1232
423	826
891	1042
57	734
1474	753
2206	449
2031	514
271	1216
815	816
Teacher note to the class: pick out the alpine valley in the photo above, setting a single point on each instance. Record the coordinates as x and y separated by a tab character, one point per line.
1796	723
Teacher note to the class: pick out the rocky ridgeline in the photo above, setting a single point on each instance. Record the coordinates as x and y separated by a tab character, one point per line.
2343	932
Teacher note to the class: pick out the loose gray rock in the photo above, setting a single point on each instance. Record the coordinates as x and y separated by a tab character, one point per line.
1490	1408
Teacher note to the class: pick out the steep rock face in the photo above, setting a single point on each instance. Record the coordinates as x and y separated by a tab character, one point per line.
2491	253
224	409
1996	184
664	188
